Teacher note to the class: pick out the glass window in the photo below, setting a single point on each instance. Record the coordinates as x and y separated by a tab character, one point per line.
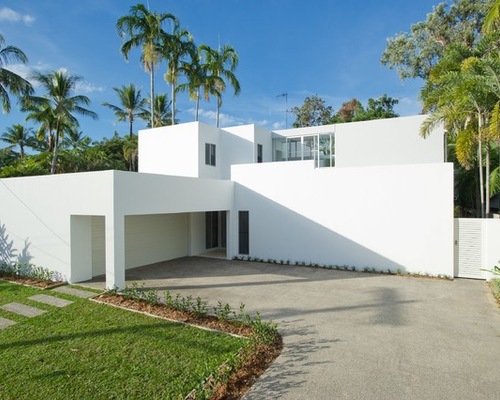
210	154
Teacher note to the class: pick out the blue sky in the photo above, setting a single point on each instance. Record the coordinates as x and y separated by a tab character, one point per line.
326	47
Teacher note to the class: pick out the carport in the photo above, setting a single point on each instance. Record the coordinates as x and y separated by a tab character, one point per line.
178	217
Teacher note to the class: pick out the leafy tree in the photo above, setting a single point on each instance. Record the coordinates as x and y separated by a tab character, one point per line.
414	54
10	81
349	111
162	112
143	28
313	112
18	135
174	48
55	110
220	66
380	108
131	105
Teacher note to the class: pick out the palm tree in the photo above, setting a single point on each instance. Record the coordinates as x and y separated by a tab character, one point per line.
131	151
10	81
55	110
144	29
461	94
18	135
75	139
162	112
174	48
131	105
492	17
198	78
222	63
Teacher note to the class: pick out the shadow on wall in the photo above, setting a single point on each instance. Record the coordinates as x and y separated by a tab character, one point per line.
299	239
10	255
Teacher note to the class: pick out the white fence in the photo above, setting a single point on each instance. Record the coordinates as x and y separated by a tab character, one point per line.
477	247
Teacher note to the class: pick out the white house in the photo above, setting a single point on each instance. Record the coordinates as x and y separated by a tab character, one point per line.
365	194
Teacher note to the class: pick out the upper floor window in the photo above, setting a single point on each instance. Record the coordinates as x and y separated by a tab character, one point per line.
210	154
259	153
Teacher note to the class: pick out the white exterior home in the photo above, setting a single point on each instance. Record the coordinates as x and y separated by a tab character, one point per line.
366	194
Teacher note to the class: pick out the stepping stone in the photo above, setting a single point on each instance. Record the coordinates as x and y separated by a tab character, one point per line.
74	292
22	309
4	322
50	300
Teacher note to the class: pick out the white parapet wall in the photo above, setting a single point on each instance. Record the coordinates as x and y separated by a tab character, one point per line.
383	217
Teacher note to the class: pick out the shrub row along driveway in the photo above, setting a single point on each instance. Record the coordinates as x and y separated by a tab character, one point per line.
355	335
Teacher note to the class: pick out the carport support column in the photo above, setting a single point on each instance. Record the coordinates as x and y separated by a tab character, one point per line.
115	251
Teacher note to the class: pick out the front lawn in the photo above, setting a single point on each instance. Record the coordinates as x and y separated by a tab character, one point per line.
88	350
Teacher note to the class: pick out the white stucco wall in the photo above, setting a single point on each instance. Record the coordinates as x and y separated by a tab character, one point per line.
36	213
50	221
396	217
154	238
170	150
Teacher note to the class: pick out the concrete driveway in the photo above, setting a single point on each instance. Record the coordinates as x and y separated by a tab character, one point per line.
351	335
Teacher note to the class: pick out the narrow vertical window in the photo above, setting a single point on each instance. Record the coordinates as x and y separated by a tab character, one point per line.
210	154
243	230
259	153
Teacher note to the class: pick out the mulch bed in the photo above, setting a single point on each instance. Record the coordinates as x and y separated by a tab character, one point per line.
39	284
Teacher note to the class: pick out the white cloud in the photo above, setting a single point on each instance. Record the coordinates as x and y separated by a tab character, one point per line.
8	14
88	87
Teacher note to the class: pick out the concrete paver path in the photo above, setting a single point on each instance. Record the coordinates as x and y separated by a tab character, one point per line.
5	322
350	335
23	309
50	300
74	292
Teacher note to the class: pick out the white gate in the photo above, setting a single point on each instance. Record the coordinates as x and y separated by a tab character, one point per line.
469	239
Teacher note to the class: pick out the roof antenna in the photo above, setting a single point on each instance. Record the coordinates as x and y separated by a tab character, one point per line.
285	95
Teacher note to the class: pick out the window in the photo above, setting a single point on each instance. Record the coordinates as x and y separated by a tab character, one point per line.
210	154
243	230
259	153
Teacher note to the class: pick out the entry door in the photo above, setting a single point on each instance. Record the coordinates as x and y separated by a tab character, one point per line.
212	229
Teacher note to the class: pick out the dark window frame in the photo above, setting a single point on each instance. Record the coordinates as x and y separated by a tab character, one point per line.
210	154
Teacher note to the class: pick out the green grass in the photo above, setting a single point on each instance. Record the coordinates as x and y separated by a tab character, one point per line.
88	351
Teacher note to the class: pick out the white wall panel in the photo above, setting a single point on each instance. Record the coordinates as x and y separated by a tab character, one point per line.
397	217
154	238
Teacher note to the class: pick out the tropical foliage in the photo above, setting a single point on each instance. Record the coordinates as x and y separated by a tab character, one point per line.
456	50
314	111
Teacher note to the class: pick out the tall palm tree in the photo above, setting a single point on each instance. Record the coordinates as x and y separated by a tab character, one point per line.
174	48
131	105
56	108
10	81
162	112
143	28
222	63
18	135
198	78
